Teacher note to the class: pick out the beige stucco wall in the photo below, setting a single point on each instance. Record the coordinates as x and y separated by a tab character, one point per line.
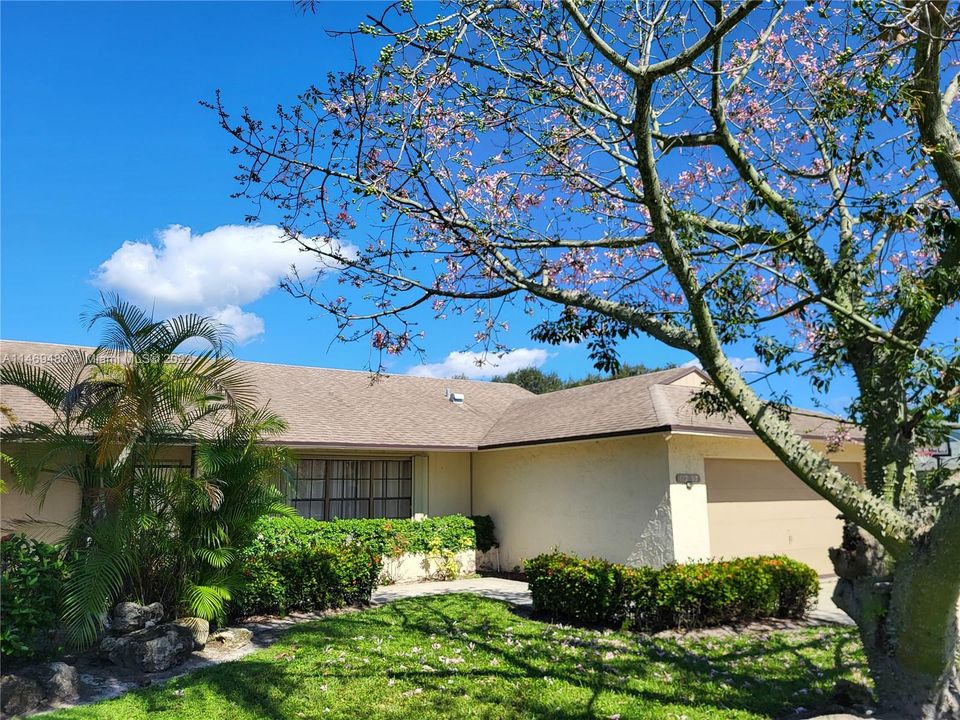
417	567
58	506
608	498
448	483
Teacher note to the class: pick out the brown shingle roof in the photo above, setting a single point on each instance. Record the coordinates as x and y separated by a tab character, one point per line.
633	405
340	408
614	407
345	408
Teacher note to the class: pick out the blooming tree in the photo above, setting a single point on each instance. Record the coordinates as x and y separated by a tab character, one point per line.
706	173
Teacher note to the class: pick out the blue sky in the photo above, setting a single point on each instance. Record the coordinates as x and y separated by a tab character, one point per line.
104	143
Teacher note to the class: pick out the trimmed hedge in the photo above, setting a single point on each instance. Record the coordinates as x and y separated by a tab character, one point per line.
305	575
33	573
296	563
597	592
386	537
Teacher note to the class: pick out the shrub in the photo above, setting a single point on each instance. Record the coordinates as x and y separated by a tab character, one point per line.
692	595
386	537
580	590
484	534
797	583
295	563
306	576
32	580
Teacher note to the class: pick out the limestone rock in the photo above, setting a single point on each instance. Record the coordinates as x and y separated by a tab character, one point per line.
199	627
61	682
19	694
152	649
130	617
229	639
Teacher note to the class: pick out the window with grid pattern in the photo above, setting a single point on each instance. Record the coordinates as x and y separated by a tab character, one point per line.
328	488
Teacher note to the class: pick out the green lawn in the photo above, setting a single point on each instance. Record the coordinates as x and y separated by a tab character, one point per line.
459	656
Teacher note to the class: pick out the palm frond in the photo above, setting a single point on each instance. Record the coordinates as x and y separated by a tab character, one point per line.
35	380
146	531
207	601
96	579
173	334
128	326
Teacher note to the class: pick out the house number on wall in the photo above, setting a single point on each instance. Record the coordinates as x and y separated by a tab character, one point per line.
688	479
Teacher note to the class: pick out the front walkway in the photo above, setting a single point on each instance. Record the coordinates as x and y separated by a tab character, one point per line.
511	591
825	611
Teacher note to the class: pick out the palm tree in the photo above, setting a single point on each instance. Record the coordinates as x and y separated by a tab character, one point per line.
145	530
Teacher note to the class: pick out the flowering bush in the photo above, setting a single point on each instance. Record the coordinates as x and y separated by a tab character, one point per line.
693	595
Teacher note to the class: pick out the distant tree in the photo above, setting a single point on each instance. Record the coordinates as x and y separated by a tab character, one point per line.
533	379
539	382
623	370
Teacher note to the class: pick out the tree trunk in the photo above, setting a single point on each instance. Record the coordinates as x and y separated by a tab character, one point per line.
908	621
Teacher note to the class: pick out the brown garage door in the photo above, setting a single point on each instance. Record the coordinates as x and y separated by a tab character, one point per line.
758	507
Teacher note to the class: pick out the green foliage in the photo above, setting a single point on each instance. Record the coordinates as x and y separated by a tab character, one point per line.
32	580
623	370
462	656
149	531
296	563
174	536
539	382
305	575
383	536
484	532
533	379
584	591
595	591
442	563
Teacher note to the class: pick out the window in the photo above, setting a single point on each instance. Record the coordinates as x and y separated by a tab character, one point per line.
353	488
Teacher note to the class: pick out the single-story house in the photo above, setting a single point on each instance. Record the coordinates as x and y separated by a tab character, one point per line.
624	469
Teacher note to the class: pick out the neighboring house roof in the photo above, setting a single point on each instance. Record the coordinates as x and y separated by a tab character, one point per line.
351	409
947	455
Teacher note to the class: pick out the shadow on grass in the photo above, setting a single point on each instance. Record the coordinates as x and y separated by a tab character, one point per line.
364	665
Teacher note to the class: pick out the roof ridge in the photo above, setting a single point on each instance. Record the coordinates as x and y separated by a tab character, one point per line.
291	365
674	373
793	409
72	346
661	406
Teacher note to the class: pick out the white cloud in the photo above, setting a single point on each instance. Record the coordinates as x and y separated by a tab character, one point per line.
748	365
466	363
213	273
244	325
744	365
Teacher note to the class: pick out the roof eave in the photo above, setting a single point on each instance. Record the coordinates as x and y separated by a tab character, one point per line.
674	429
